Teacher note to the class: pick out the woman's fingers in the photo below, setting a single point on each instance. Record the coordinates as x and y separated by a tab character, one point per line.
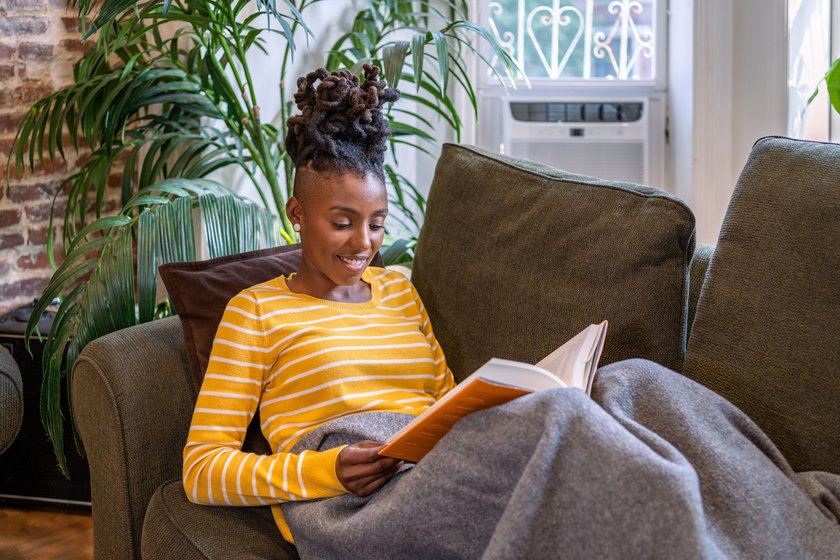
373	486
361	470
352	472
362	452
362	460
365	480
368	485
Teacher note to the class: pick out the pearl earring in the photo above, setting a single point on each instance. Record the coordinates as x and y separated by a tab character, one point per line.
296	227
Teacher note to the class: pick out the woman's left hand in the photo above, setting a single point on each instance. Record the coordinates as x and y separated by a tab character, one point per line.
361	469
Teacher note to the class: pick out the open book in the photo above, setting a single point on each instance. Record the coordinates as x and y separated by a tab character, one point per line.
497	382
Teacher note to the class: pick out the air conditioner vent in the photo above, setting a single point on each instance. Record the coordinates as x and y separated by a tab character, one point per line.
607	137
574	111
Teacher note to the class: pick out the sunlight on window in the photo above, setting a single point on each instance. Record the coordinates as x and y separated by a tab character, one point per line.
577	39
809	46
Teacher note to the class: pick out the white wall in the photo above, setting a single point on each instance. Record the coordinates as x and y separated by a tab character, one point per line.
680	151
759	74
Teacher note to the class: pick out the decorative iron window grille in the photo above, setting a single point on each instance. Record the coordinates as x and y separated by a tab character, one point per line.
577	39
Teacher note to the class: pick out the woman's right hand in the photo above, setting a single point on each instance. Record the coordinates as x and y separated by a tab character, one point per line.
361	470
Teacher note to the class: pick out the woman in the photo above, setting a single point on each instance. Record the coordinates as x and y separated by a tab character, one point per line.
340	355
337	337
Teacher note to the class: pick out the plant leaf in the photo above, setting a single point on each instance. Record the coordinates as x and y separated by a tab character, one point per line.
418	49
393	58
832	82
146	266
439	40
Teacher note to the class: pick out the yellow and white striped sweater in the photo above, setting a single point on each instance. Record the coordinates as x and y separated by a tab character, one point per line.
304	361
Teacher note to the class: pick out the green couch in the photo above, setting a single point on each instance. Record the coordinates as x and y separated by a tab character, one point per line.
513	259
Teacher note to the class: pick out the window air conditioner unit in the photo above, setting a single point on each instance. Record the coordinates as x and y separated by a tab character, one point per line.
608	138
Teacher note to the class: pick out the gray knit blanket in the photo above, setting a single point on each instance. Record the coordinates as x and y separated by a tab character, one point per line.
653	466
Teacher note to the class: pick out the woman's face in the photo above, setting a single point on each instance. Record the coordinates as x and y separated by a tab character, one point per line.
342	220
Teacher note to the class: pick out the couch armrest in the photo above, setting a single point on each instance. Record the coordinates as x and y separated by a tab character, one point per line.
699	266
133	398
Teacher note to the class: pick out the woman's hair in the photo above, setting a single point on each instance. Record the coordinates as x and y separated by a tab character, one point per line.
341	127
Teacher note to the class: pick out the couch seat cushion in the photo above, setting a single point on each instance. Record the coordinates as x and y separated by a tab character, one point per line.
767	331
515	258
176	528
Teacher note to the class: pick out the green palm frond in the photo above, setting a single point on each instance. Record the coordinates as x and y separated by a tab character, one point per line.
110	10
101	288
134	94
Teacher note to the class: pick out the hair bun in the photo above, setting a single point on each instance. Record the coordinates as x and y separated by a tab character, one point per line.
340	121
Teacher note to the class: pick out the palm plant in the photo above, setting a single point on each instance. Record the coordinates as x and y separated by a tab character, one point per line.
166	96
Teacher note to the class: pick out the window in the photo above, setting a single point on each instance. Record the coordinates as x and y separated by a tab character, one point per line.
809	47
596	105
578	39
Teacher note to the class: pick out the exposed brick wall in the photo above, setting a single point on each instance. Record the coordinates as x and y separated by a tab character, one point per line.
40	41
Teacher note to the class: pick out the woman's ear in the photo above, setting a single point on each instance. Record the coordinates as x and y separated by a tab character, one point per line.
294	211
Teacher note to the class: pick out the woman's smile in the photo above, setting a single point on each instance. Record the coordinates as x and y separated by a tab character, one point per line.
354	263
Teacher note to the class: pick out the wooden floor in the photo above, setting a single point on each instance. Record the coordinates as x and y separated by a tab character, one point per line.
29	534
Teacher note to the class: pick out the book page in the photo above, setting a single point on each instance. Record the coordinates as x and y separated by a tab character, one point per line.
575	362
595	356
518	374
566	363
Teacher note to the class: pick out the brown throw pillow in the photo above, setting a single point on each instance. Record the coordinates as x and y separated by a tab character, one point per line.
199	292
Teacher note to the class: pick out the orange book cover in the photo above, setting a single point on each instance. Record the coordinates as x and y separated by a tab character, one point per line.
497	382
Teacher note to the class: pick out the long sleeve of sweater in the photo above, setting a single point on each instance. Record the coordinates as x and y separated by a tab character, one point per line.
216	470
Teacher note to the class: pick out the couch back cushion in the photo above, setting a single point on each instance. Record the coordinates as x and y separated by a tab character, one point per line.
515	258
767	331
